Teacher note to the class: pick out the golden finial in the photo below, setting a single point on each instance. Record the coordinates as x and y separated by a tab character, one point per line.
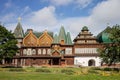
19	19
45	31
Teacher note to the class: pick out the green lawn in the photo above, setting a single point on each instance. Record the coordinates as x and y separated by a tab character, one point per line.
55	74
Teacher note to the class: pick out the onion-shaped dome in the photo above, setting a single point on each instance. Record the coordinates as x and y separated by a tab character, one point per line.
85	28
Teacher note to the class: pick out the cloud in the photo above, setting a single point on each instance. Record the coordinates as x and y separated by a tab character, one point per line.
103	13
44	17
7	17
107	11
61	2
83	3
25	10
79	3
8	4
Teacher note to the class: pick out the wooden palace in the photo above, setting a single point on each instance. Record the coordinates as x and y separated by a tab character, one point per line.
48	49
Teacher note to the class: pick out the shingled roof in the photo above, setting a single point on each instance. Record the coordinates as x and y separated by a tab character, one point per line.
18	32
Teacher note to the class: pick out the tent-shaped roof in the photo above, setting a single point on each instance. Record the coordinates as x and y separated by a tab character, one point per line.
69	41
18	32
62	34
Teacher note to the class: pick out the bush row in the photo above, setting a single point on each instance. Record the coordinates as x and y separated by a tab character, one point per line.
17	69
111	69
67	71
43	70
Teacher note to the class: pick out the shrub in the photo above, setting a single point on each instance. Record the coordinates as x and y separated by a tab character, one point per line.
93	71
16	69
43	70
44	66
67	71
116	69
107	69
84	70
8	66
96	68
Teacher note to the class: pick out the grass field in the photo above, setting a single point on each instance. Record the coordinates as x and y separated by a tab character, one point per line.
57	74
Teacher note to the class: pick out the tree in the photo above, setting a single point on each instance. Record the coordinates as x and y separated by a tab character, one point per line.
8	46
110	53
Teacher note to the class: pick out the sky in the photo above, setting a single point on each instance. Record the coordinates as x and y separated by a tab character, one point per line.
40	15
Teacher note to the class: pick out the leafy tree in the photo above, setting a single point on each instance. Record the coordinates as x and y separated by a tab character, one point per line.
8	46
110	53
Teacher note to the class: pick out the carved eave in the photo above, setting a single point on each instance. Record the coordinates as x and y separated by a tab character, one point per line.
45	39
30	39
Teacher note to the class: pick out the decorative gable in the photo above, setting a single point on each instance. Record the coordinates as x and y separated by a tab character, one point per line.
45	39
30	39
56	53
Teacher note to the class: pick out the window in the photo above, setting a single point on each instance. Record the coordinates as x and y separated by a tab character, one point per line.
44	51
49	51
25	51
34	51
29	52
68	51
85	50
39	51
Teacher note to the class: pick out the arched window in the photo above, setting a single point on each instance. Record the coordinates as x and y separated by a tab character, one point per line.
29	52
39	51
91	62
49	51
33	51
44	51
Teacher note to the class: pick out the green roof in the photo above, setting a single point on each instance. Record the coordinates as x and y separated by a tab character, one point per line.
69	41
55	39
38	34
85	28
104	36
18	32
62	34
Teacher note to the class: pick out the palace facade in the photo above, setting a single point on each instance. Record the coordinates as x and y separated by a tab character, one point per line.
45	48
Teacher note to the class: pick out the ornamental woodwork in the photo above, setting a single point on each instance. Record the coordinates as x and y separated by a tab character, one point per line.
45	39
30	39
55	53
